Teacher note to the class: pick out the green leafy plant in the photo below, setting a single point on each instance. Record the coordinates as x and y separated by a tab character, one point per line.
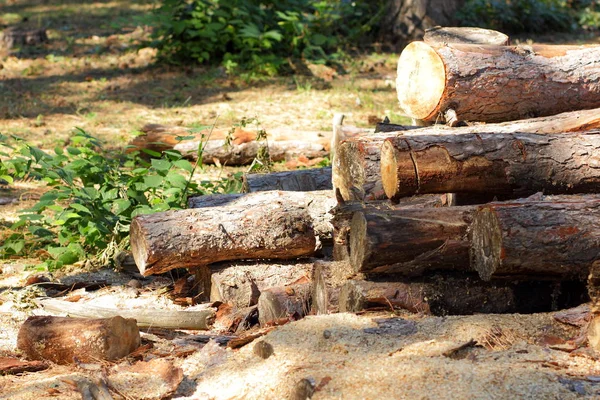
93	196
262	36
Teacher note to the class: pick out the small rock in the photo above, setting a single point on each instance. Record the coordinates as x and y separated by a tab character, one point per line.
304	389
326	334
263	349
134	283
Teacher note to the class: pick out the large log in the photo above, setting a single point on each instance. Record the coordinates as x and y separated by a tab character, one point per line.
557	239
300	180
61	339
193	237
316	203
506	165
410	241
496	83
457	295
342	216
240	284
359	176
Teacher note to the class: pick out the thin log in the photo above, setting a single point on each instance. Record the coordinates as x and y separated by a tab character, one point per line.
490	83
167	319
316	203
456	295
541	240
193	237
410	241
503	164
444	35
301	180
278	304
60	339
240	284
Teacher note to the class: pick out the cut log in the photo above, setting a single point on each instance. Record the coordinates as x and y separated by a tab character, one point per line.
20	36
316	203
359	176
456	295
167	319
327	279
194	237
506	165
543	240
594	287
240	284
410	241
280	304
301	180
342	216
496	83
444	35
60	339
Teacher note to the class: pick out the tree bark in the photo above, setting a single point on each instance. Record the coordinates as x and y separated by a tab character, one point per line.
496	83
316	203
342	216
409	241
61	339
407	20
301	180
240	284
194	237
280	304
359	176
444	35
506	165
456	295
540	240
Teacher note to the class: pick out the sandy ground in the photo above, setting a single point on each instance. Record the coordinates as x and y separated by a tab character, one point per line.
339	356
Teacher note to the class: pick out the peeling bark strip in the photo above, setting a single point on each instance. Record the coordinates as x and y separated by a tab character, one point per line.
282	304
60	339
410	241
358	175
193	237
458	295
301	180
546	240
496	83
317	203
508	165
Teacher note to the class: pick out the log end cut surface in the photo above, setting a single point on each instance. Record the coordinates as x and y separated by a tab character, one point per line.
398	172
421	80
486	243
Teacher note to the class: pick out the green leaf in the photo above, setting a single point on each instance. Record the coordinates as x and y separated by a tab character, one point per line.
161	165
153	181
80	207
151	152
120	205
185	165
7	178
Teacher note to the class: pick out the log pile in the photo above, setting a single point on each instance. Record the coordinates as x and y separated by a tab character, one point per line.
486	214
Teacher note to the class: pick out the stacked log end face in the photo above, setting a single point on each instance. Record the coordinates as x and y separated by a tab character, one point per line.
491	83
557	239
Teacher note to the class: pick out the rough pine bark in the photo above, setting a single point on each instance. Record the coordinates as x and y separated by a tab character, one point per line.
491	83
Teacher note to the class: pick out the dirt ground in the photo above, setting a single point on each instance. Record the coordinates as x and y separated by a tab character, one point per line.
92	74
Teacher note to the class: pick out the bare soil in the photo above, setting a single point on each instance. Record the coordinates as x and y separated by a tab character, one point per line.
97	73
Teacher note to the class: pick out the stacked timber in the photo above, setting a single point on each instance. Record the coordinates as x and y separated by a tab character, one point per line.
485	214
